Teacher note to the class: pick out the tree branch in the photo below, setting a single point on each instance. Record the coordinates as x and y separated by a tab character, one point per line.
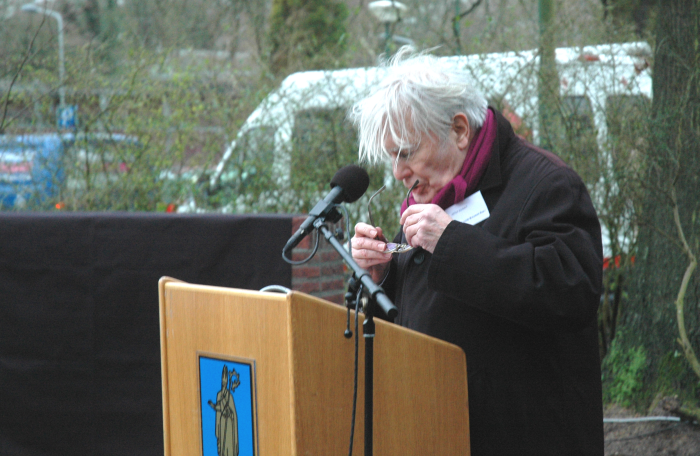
469	11
457	18
24	61
680	299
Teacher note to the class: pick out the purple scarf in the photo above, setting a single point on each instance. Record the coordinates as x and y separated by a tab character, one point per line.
475	163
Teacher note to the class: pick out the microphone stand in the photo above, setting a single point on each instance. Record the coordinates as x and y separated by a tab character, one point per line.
376	295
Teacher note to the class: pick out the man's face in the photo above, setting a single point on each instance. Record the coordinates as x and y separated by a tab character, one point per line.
431	163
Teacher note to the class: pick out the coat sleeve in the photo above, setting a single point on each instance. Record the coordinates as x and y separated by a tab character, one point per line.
546	274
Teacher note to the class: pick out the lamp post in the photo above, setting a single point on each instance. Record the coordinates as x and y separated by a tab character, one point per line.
387	12
34	8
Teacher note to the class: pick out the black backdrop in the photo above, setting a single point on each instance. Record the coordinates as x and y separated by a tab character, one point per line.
79	331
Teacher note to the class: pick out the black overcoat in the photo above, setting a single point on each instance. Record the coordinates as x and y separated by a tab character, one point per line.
519	294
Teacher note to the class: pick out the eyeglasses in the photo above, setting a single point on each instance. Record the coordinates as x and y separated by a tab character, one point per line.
391	247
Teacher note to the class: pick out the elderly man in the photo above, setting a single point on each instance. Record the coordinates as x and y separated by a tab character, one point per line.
506	260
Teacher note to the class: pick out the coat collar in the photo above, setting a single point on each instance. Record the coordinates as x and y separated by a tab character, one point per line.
504	135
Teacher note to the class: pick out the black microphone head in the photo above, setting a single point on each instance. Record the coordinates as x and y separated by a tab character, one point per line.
354	181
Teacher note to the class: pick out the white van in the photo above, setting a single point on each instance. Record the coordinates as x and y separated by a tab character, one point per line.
314	103
300	130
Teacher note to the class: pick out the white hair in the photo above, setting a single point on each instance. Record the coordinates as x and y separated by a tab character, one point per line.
420	95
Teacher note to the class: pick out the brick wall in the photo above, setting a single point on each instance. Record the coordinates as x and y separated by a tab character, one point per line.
325	276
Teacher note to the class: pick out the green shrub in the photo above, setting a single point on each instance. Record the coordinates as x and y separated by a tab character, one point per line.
623	374
674	378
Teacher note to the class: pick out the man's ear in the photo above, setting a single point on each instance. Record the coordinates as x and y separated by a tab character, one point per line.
460	125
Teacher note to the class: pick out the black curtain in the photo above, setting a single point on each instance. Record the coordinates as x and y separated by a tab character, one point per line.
79	331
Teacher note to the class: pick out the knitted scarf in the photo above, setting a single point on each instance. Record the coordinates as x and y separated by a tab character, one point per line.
475	163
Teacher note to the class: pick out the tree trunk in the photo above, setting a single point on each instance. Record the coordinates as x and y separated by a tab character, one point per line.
669	236
548	78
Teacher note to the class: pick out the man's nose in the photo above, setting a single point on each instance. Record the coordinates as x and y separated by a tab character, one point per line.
401	170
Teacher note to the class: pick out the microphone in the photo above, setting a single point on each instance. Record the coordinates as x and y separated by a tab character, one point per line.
347	186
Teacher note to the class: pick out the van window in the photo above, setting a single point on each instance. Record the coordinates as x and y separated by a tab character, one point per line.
578	115
580	146
323	141
625	114
626	117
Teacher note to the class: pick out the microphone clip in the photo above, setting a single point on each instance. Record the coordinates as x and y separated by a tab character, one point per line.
331	216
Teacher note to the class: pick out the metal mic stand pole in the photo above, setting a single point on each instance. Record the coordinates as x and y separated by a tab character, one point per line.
368	334
376	294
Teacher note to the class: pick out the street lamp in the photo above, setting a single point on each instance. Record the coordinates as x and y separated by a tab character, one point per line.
387	12
34	8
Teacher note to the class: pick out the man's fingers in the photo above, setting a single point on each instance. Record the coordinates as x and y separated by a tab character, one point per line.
411	210
368	243
423	225
365	230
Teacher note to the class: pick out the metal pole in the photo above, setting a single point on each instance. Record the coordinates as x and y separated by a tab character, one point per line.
368	332
548	81
455	25
387	37
376	296
61	60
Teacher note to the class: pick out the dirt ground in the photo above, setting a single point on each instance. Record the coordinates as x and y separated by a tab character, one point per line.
650	438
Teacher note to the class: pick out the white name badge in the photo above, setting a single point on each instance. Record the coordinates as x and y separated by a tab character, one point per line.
472	210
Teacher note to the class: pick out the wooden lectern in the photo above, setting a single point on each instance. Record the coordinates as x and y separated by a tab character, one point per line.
301	378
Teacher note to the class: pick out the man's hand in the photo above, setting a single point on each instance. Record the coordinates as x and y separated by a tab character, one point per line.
423	225
368	245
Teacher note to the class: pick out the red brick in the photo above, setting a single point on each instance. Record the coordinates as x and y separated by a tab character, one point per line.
329	256
332	269
299	255
308	287
306	271
337	284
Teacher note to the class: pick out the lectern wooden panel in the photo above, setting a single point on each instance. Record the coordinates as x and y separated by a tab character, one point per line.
303	375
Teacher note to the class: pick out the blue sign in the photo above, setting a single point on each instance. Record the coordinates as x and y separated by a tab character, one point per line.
67	116
228	407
